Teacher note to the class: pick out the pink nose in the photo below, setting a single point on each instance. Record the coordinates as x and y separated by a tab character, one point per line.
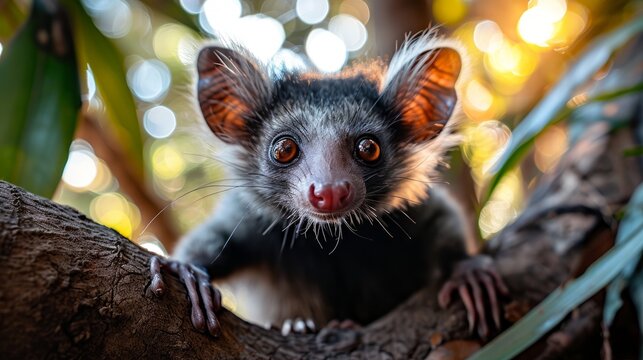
330	197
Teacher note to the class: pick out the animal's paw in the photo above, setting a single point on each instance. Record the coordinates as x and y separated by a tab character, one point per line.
298	326
347	324
478	285
205	299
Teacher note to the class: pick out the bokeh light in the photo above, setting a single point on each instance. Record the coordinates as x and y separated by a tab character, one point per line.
1	49
326	50
356	8
449	11
286	60
112	17
174	44
487	36
549	147
352	32
312	11
152	244
218	16
167	161
483	143
159	122
80	169
115	211
477	96
149	80
191	6
260	34
91	84
538	24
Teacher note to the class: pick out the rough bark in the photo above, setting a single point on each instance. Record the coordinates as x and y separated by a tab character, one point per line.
73	288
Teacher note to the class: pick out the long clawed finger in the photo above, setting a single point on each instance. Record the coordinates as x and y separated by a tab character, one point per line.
444	296
188	279
210	304
493	299
479	302
157	285
468	304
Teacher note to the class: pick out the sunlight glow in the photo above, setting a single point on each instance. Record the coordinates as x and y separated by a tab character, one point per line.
152	244
449	11
538	24
167	161
217	16
478	96
80	170
260	34
115	211
326	50
487	36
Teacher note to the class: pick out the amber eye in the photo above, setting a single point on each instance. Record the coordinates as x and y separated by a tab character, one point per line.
285	150
368	150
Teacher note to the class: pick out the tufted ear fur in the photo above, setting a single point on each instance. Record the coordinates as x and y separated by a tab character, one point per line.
420	83
231	87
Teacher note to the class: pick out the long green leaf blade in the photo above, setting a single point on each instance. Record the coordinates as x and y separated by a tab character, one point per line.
545	112
540	320
173	10
108	69
40	95
522	148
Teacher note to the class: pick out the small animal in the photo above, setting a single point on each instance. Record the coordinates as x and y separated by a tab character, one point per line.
334	214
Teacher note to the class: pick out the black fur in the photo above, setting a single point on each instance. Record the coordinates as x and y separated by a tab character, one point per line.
357	266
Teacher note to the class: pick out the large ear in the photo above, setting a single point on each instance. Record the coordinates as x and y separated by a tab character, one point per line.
420	84
231	87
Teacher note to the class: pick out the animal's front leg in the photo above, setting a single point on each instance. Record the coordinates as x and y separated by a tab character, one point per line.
478	284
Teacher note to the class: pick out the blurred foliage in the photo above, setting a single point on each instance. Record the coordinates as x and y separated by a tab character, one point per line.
552	108
107	66
38	120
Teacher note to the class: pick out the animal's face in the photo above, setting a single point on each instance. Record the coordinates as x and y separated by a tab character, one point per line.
332	150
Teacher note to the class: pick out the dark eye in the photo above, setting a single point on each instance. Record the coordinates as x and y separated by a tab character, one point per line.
285	150
368	150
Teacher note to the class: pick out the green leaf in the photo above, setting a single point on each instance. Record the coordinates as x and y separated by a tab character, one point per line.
520	149
545	113
109	73
613	299
544	317
40	95
173	10
635	151
12	15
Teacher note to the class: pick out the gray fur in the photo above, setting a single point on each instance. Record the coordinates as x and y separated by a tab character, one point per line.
282	259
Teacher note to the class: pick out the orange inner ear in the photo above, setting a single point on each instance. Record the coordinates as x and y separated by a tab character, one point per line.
221	91
429	103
